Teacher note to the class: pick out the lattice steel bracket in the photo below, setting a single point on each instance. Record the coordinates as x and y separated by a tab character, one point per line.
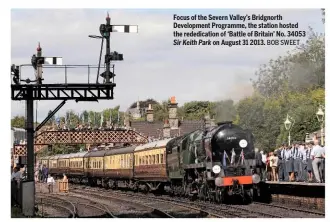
79	92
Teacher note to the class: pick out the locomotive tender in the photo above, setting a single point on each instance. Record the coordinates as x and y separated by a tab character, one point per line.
212	163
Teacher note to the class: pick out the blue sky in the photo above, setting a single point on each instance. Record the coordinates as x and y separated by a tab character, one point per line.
153	67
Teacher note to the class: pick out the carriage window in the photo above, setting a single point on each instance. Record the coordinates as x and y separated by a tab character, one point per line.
153	159
143	160
157	158
161	158
147	160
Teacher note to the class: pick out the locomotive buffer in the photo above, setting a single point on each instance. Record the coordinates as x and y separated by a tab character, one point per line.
32	90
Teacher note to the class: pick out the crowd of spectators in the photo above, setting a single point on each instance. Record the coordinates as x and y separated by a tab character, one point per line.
299	162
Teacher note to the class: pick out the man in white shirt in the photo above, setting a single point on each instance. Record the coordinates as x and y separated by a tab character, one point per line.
318	155
16	175
50	183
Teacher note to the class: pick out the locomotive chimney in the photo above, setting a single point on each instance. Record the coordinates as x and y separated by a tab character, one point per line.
172	112
166	130
150	114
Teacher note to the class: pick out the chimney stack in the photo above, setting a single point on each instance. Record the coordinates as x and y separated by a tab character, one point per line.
127	123
173	116
150	114
166	130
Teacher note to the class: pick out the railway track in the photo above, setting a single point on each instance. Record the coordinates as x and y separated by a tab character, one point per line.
173	209
254	210
291	209
54	207
226	210
80	208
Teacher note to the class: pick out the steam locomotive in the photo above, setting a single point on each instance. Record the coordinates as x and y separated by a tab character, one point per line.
214	163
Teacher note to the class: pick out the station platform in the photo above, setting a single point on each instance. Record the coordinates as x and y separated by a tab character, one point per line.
296	183
301	189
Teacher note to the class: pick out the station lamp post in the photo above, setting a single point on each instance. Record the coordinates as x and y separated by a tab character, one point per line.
320	118
288	126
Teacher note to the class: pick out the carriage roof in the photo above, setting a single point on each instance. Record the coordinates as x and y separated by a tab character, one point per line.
77	155
45	157
64	156
159	143
98	153
55	157
122	150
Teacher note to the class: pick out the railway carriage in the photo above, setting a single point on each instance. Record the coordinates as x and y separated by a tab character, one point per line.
77	164
44	161
63	164
118	163
118	166
93	169
53	165
150	164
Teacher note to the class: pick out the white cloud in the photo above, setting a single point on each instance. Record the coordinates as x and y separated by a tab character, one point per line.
153	67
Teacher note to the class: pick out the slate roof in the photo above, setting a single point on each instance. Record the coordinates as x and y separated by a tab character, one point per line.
155	129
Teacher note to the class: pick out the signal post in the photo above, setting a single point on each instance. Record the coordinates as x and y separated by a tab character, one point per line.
33	90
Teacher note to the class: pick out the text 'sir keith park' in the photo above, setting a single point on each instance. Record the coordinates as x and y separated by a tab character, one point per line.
168	113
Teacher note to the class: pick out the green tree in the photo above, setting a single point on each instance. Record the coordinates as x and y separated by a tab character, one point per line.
298	71
18	121
160	111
